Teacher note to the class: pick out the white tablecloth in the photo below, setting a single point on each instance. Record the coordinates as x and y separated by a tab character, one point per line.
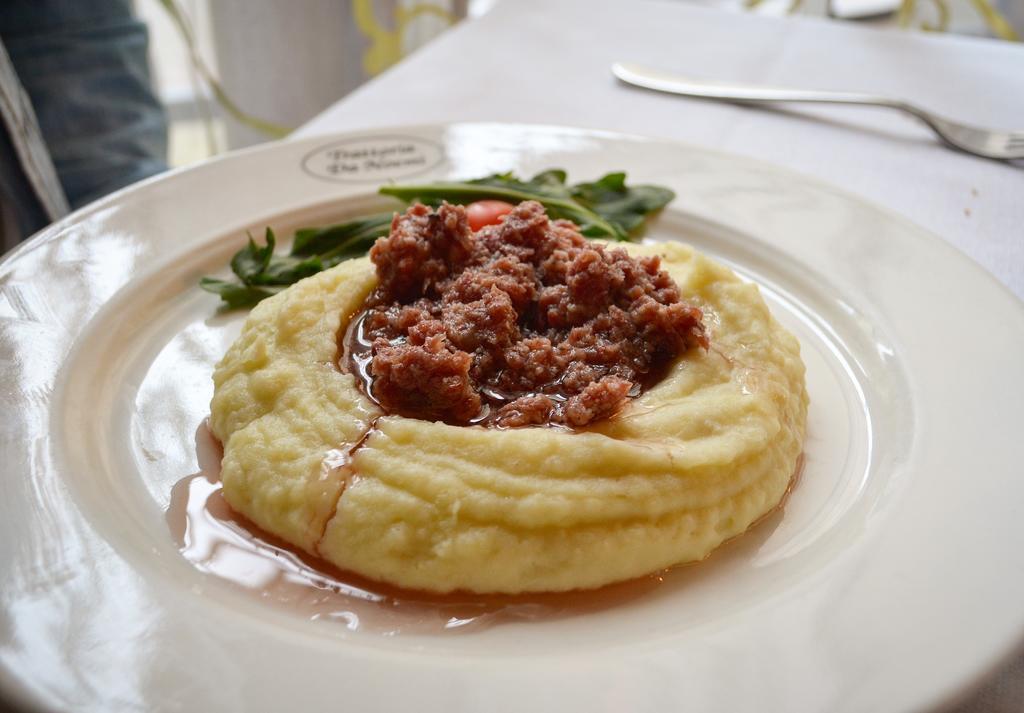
548	62
544	61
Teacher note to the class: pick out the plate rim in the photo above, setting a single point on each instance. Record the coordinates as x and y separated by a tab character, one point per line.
55	231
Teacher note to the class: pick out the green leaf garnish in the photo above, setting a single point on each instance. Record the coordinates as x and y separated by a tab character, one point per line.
622	205
606	208
344	239
237	295
548	188
250	262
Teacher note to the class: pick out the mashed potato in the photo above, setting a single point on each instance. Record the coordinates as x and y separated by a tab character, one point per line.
690	463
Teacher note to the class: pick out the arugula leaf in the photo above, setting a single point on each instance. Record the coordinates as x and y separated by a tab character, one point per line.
237	295
605	208
552	177
591	224
287	269
255	265
344	239
625	206
249	262
549	183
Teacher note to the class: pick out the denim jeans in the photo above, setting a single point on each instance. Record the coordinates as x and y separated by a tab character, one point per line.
84	66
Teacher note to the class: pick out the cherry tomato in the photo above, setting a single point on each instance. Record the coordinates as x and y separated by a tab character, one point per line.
487	212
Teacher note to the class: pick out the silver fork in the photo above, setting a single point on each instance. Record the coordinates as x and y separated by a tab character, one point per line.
1006	145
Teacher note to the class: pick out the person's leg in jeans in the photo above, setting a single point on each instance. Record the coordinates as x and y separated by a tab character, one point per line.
84	66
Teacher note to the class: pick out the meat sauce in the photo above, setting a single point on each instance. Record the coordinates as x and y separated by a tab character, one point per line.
517	324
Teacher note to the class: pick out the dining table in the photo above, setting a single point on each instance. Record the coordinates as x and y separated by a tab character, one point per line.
549	62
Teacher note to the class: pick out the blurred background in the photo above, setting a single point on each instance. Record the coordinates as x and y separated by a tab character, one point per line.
333	45
336	45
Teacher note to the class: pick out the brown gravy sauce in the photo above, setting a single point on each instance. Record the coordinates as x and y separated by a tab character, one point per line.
221	542
355	353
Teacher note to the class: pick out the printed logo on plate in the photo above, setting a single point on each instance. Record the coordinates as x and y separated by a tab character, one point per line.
375	159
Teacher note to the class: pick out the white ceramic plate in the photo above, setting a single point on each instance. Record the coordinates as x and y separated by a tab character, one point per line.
892	582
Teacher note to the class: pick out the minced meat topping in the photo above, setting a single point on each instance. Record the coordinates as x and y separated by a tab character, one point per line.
521	323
